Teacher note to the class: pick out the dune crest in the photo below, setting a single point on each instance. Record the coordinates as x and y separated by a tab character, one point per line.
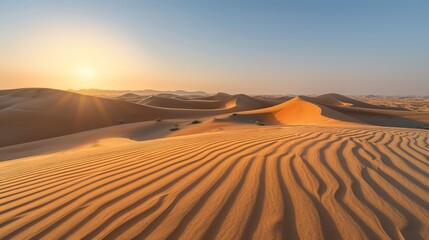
301	111
34	114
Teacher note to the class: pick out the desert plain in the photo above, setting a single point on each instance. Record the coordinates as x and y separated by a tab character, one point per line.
97	165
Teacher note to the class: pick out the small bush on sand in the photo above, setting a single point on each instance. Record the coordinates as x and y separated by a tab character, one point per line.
158	120
195	122
259	123
233	114
174	129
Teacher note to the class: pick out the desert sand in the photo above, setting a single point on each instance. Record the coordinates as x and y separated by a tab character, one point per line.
75	166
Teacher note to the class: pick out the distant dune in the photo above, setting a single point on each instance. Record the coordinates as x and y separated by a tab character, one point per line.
237	102
300	111
311	111
33	114
340	100
146	92
220	166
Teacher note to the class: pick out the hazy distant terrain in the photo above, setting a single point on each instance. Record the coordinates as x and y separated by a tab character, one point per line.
414	103
146	92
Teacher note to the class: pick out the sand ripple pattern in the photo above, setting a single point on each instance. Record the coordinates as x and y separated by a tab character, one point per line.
269	183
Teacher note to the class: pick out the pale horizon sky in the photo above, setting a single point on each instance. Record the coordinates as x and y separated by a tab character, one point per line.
254	47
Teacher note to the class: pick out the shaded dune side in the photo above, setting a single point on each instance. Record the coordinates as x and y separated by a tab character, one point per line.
391	118
167	102
217	96
34	114
129	95
372	114
341	100
273	101
42	113
275	183
237	102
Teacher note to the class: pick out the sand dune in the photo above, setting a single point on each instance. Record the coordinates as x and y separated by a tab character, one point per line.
33	114
217	96
273	100
245	102
304	110
140	131
340	100
168	102
412	103
322	168
129	95
378	115
295	182
299	111
237	102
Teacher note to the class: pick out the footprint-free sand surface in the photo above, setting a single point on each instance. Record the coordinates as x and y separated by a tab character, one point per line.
316	170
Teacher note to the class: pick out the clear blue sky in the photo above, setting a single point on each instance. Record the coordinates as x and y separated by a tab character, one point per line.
349	47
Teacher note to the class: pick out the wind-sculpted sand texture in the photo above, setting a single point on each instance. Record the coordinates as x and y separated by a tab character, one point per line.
271	182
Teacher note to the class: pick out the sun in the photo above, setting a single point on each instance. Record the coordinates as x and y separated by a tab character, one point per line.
86	72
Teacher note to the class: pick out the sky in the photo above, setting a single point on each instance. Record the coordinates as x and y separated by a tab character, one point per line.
254	47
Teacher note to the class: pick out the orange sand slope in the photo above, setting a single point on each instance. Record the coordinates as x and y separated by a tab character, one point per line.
304	110
271	182
33	114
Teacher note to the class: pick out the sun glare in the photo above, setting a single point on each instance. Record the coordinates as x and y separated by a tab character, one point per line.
86	73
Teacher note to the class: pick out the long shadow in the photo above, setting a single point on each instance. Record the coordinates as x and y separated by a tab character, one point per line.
132	191
155	223
328	225
424	152
288	224
191	214
380	118
404	190
256	211
388	163
406	153
425	142
84	165
123	169
70	214
340	194
385	222
141	200
216	223
411	230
